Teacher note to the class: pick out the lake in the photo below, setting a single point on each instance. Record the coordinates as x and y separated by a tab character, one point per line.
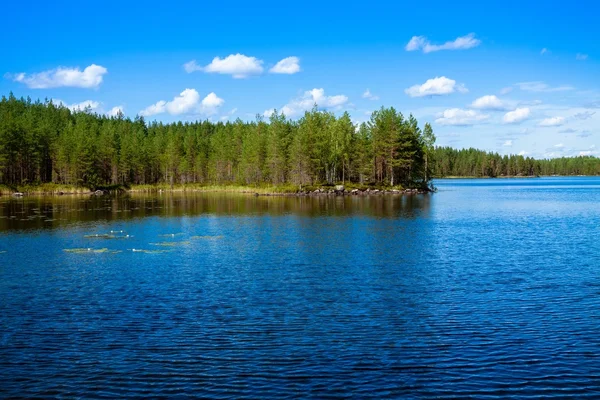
487	288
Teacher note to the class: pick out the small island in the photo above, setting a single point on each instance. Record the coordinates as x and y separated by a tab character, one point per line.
49	149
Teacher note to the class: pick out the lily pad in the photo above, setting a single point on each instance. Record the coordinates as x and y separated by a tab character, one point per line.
150	251
171	244
91	251
208	237
107	236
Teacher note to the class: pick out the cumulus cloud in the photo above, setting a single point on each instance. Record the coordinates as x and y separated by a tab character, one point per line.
522	153
268	113
307	100
539	86
437	86
508	143
289	65
90	77
581	57
87	105
489	102
90	106
459	117
517	116
460	43
237	65
554	121
188	102
544	51
211	103
115	111
368	95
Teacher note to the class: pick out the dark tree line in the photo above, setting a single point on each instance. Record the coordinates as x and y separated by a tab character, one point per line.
43	142
473	162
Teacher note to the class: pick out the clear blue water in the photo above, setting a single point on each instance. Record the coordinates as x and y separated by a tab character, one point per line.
488	288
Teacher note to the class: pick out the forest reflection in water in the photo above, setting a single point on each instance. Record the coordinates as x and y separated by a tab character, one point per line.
58	211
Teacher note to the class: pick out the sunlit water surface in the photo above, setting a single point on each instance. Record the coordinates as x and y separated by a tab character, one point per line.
488	288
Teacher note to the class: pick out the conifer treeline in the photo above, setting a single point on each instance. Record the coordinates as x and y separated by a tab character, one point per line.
41	142
478	163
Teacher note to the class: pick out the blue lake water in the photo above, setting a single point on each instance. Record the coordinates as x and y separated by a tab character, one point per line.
488	288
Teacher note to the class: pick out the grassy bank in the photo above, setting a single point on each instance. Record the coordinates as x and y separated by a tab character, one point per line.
43	189
260	189
56	189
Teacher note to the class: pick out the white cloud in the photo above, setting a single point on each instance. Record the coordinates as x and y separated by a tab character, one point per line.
307	100
581	57
268	113
188	102
554	121
587	153
368	95
192	66
229	114
437	86
91	106
87	105
506	90
114	112
459	117
516	116
538	86
157	108
522	153
211	103
90	77
289	65
559	146
544	51
237	65
508	143
489	102
461	43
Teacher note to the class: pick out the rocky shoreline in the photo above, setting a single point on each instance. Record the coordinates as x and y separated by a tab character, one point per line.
340	190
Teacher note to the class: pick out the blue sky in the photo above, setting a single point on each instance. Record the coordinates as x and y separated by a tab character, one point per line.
510	77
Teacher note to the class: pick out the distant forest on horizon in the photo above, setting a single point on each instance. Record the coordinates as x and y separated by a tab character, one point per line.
41	142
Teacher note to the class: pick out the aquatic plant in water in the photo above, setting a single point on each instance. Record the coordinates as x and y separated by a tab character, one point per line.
150	251
171	244
89	250
208	237
107	236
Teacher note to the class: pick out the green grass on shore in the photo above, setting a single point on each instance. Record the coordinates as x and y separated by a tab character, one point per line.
44	189
55	189
236	188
